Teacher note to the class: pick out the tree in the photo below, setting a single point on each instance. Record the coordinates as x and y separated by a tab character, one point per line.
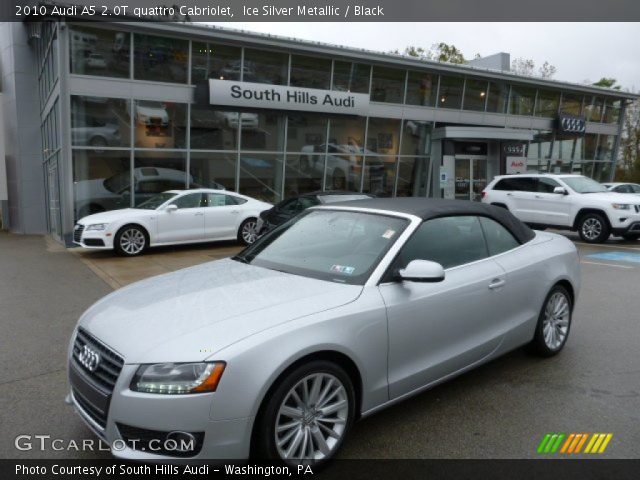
606	82
628	168
417	52
441	52
547	70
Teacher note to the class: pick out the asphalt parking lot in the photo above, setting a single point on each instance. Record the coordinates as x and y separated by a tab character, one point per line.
501	410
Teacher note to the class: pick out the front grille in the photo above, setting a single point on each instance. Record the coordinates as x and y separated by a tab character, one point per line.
77	233
94	413
153	441
106	374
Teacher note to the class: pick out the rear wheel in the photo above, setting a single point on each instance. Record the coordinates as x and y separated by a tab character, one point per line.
554	323
307	416
594	228
248	232
131	240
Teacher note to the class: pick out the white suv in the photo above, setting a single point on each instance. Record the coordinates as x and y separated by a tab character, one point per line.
572	202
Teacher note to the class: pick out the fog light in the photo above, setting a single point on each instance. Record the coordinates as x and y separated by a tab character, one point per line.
184	441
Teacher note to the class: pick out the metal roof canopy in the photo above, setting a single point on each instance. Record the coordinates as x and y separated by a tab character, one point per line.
483	133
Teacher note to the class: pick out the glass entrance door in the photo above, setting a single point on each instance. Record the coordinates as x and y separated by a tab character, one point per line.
470	177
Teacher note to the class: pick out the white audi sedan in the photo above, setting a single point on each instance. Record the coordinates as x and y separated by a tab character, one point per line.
170	218
344	310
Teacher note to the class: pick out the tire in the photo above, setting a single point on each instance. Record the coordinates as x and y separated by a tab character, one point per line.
631	237
247	233
594	228
306	430
554	323
131	240
338	180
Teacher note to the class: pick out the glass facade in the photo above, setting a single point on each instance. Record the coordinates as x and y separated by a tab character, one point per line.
125	149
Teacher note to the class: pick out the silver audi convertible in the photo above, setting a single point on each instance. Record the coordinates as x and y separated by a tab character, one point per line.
341	312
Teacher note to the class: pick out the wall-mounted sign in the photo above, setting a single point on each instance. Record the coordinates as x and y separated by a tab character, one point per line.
571	124
516	165
278	97
513	149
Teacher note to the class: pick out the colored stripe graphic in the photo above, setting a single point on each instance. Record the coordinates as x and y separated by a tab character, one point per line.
573	443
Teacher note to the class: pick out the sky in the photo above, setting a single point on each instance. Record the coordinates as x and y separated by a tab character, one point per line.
581	52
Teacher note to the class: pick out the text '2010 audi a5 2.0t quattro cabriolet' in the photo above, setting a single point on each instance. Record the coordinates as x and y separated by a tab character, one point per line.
334	315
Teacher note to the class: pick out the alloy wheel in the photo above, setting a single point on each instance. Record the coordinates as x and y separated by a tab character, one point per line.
312	418
555	325
249	232
591	228
132	241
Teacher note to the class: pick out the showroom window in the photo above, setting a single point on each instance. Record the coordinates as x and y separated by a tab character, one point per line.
101	181
157	171
412	175
310	72
303	173
160	59
351	77
601	171
547	103
475	95
213	129
383	135
100	122
611	111
416	137
212	60
213	170
571	104
379	175
159	124
387	85
590	143
422	89
306	133
96	51
604	150
265	67
498	97
521	100
261	176
344	157
593	108
262	131
450	92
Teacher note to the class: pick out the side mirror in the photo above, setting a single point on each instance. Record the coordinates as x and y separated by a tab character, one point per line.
422	271
171	208
560	191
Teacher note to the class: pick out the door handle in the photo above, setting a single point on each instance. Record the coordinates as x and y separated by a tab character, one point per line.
235	211
509	194
538	196
496	283
199	214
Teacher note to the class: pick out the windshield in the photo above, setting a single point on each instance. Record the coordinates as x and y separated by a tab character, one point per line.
584	185
328	245
157	200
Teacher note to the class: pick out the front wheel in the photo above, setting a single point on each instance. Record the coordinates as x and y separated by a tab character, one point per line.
307	417
554	323
248	231
131	240
594	228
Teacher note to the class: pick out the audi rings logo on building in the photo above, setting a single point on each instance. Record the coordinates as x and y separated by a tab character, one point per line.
89	358
572	124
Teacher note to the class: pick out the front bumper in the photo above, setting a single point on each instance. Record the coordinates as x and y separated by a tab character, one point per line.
628	227
97	239
223	439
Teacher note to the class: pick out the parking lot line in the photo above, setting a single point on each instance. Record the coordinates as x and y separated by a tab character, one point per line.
608	265
606	246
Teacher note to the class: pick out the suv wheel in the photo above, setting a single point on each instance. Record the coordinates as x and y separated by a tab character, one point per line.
594	228
307	417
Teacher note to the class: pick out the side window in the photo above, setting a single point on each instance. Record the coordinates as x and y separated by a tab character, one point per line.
191	200
499	239
546	185
231	200
517	184
215	199
450	241
289	206
636	188
623	189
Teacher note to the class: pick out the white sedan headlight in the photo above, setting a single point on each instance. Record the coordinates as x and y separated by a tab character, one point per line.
178	378
96	227
621	206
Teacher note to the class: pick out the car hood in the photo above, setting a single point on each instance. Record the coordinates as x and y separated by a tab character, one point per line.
191	314
612	197
114	215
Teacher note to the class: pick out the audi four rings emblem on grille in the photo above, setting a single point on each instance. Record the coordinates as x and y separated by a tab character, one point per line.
89	358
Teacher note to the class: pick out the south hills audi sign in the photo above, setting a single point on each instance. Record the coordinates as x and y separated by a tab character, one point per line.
571	124
278	97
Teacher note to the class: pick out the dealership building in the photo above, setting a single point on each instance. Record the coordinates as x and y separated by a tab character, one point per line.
98	116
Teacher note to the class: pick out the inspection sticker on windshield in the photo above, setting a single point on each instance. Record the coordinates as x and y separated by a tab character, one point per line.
388	234
342	269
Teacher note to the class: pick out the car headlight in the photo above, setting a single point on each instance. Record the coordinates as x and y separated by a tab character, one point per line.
178	378
96	226
621	206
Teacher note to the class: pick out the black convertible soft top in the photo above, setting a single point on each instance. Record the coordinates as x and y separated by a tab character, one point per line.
428	208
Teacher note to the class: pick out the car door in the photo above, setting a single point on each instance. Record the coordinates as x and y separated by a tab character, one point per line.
551	208
523	198
436	329
184	224
221	216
